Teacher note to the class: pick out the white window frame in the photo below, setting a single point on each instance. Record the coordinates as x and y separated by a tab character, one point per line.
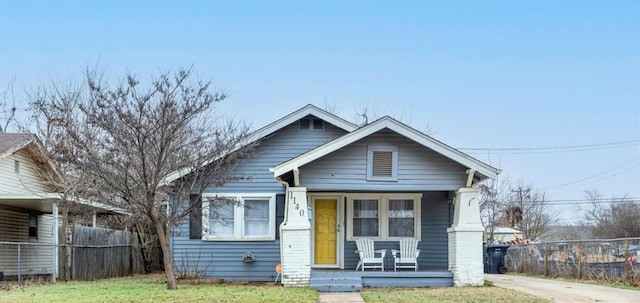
383	214
238	217
394	164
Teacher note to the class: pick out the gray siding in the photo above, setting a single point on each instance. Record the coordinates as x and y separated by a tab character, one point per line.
419	168
433	245
285	144
223	259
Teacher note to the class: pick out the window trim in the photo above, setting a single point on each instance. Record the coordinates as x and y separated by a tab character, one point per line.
33	228
394	162
238	217
383	214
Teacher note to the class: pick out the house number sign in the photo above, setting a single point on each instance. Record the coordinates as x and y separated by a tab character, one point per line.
296	205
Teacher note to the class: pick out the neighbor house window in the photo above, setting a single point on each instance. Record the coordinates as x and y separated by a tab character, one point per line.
311	124
33	226
383	216
382	163
239	217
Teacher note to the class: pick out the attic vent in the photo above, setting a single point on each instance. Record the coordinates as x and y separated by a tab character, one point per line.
382	163
311	124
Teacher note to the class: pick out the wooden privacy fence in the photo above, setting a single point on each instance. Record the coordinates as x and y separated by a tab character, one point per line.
97	253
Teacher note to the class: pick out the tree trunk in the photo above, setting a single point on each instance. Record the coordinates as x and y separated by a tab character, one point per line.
144	249
65	248
167	257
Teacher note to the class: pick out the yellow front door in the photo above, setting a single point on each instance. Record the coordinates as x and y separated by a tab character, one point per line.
326	213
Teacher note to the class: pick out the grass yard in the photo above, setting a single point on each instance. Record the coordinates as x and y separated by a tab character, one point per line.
449	294
151	288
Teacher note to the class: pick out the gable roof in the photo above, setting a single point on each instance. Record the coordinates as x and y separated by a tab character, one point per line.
389	123
11	143
305	111
14	142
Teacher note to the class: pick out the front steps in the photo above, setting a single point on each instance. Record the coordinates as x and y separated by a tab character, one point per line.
345	280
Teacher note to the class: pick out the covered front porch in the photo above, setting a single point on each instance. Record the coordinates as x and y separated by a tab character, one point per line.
339	280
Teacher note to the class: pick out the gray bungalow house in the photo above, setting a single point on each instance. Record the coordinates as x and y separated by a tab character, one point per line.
317	183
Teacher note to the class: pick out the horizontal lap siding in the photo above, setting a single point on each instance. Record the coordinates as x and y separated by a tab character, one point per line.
419	168
285	144
14	227
223	259
28	181
433	245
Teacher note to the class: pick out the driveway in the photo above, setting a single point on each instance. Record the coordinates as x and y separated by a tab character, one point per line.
564	292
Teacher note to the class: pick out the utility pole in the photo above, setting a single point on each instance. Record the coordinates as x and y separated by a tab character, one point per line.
516	211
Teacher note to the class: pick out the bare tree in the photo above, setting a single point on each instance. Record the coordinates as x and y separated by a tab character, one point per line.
529	212
492	197
7	108
133	139
612	218
70	181
502	204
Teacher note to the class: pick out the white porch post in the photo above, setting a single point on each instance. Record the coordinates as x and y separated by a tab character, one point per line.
295	239
465	240
54	235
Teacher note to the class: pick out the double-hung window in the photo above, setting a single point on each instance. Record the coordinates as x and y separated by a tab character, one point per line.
238	217
383	216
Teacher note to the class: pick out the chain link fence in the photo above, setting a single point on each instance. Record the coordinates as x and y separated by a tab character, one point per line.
22	260
614	260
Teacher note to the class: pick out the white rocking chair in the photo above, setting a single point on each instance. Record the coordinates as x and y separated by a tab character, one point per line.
368	257
407	256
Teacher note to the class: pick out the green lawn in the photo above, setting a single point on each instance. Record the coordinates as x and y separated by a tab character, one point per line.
151	288
449	294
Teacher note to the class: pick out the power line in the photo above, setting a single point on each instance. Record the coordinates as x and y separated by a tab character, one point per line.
551	149
624	165
580	201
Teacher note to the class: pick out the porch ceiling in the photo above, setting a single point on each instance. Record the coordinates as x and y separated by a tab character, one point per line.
31	202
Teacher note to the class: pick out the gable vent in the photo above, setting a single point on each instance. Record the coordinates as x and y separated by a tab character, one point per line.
382	163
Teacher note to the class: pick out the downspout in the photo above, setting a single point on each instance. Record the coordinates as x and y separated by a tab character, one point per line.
286	208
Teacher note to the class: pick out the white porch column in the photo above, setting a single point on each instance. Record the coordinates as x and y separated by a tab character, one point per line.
295	239
465	240
55	241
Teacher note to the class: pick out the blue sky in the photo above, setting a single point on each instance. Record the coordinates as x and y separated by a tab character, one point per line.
490	74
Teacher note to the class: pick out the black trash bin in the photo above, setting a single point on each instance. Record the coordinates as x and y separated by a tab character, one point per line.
494	258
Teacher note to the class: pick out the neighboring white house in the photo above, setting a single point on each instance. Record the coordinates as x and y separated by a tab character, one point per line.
28	212
503	234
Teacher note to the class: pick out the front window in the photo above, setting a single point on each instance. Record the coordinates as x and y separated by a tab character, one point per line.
401	218
256	217
221	217
383	216
239	217
365	218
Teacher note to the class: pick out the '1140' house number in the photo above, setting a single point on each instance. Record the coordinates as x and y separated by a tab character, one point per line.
296	205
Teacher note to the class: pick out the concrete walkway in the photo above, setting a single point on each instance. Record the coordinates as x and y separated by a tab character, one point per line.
564	292
327	297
